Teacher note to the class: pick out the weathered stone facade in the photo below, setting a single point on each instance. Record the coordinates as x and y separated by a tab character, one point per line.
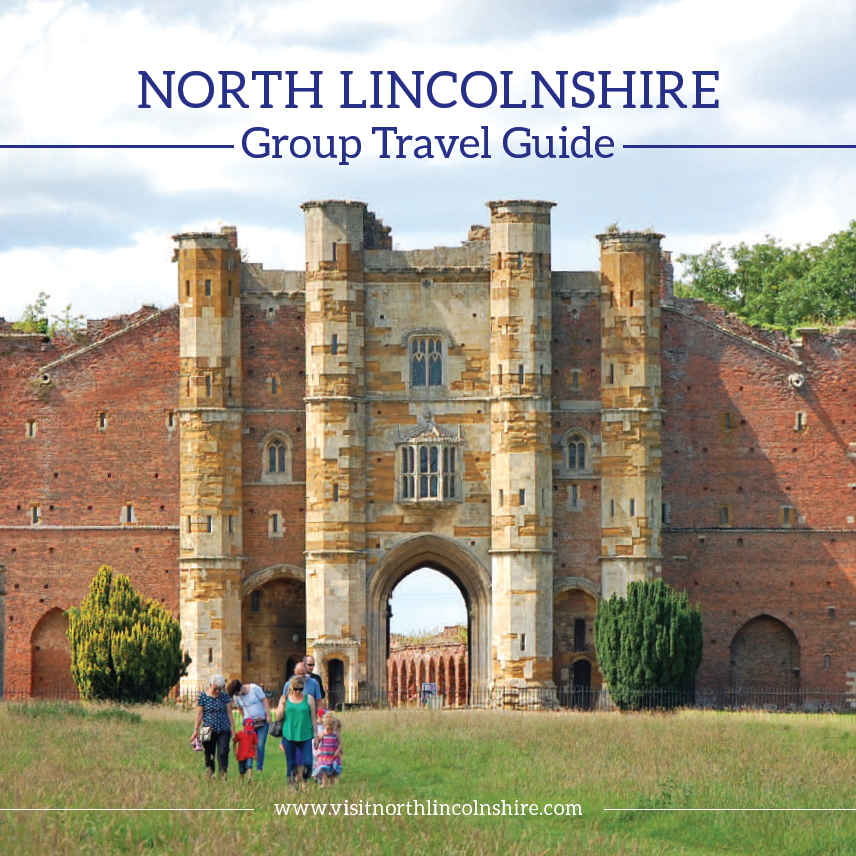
271	457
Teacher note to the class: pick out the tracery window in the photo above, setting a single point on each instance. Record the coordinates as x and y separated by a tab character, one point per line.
429	471
276	459
426	361
577	453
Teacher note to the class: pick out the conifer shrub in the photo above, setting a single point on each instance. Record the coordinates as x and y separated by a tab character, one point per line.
649	646
124	647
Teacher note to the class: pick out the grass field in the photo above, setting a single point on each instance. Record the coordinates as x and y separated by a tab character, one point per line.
77	757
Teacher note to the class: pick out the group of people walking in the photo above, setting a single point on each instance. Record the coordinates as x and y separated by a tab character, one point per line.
306	726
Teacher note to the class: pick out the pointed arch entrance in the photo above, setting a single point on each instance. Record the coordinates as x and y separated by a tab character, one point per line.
463	568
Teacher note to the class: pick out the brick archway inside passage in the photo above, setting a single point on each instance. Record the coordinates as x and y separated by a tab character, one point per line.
459	565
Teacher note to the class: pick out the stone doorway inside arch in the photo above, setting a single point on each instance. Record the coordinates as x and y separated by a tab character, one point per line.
401	678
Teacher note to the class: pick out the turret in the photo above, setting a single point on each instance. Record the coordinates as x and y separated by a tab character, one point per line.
631	409
521	465
209	280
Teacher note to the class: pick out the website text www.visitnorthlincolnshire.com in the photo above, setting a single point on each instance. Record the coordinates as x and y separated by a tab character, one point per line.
428	808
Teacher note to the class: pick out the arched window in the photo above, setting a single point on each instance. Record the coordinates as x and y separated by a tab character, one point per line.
276	459
426	361
577	452
577	457
429	463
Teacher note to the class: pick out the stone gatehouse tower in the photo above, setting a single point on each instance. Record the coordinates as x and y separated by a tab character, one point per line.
273	454
432	439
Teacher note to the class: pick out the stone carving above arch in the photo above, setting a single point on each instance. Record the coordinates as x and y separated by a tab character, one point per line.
273	572
430	551
567	583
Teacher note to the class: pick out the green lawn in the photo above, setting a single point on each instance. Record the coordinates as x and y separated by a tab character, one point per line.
54	756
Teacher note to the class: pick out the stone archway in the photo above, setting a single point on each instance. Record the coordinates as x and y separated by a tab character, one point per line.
273	612
765	654
449	558
51	657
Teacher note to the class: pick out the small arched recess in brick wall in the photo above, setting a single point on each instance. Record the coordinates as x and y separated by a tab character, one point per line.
575	669
273	613
51	657
765	654
463	568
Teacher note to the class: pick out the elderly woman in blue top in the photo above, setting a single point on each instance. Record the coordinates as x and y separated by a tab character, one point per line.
214	708
253	703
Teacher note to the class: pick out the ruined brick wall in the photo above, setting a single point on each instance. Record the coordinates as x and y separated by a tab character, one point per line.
439	661
757	486
100	440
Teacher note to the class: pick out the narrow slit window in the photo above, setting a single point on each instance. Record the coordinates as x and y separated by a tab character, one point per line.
335	251
129	513
208	385
31	428
522	496
208	288
520	375
335	346
632	507
36	514
522	641
187	288
209	523
335	493
575	496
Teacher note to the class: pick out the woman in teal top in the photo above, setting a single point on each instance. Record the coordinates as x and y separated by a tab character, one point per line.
299	728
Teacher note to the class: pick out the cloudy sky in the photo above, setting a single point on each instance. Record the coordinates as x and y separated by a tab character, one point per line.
91	227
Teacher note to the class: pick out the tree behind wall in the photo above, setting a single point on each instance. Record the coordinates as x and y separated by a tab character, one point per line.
123	647
649	645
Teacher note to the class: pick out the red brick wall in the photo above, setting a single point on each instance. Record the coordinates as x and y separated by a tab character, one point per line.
273	344
757	566
82	477
576	345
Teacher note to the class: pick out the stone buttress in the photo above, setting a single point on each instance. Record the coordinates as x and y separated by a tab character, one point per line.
631	409
336	436
521	455
209	276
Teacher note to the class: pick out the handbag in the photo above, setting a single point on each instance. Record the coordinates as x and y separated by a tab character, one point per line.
206	732
276	729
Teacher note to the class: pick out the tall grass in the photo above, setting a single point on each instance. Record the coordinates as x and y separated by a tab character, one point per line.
80	757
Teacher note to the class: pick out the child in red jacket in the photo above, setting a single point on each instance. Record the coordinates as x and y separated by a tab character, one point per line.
246	744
